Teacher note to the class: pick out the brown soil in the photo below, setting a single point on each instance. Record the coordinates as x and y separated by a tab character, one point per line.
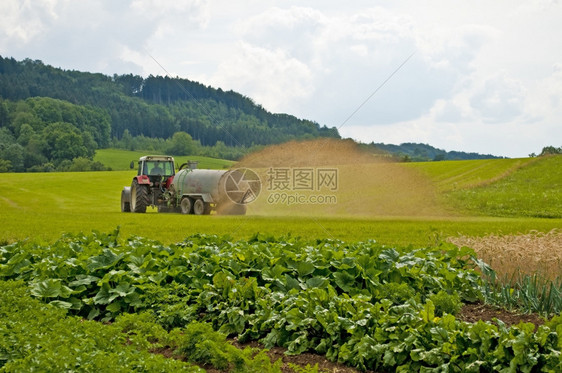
324	365
474	312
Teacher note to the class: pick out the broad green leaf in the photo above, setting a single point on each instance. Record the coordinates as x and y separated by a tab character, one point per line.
94	312
428	312
61	304
123	289
134	300
49	288
158	277
84	280
304	268
316	282
102	297
114	307
291	283
344	280
106	260
273	273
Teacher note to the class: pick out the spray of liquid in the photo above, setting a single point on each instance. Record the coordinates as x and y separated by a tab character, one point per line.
298	180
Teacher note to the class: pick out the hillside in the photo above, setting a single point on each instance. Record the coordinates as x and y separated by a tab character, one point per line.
534	189
153	107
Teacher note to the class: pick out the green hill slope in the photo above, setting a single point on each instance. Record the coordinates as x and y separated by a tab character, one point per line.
453	175
499	187
533	190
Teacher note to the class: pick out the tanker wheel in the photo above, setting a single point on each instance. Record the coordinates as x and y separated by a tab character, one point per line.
139	197
199	207
186	205
125	206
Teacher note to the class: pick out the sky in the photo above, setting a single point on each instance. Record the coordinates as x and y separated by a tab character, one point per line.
474	76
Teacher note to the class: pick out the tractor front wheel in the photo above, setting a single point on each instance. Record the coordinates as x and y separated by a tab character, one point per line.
139	197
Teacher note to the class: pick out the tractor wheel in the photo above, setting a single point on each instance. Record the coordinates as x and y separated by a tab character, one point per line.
139	197
125	205
186	205
199	207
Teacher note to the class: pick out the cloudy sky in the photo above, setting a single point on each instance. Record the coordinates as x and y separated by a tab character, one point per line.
476	76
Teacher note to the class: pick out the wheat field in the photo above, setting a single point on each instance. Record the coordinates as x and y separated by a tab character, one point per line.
521	254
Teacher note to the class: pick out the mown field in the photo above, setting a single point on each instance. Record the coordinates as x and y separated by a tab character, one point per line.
384	298
43	206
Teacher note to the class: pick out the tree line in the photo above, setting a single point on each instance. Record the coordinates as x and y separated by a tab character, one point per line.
416	152
152	107
45	134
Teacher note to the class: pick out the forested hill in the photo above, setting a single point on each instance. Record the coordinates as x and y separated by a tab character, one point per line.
152	107
423	152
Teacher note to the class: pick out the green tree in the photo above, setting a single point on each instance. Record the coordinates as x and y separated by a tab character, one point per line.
3	114
26	134
6	137
549	150
181	144
64	142
127	140
5	165
15	154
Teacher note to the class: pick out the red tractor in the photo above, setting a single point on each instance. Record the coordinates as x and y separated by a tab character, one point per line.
189	191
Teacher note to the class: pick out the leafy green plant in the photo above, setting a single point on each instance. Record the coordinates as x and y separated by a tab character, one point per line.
35	336
306	369
362	304
446	303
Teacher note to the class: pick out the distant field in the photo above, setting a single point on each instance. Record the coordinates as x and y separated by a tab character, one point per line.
454	175
120	160
534	190
45	205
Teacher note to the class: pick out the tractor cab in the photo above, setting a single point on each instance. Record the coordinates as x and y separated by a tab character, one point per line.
157	168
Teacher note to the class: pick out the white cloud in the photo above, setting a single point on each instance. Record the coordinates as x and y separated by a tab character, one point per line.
21	21
499	99
272	76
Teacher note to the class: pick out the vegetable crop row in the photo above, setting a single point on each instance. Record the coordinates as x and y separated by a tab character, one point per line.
361	304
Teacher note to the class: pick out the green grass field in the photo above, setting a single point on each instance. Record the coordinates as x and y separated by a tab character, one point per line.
527	187
454	175
45	205
534	190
